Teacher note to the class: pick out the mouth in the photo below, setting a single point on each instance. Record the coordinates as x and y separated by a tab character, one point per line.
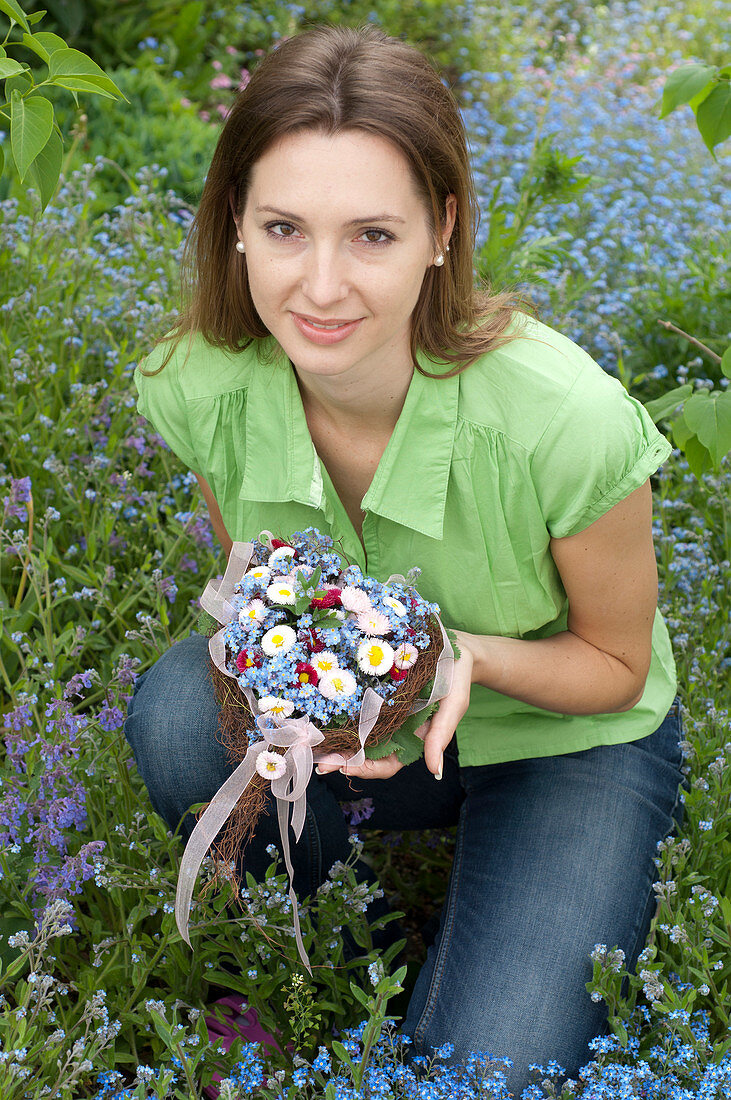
325	330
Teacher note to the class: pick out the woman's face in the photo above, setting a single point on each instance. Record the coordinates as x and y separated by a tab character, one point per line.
337	245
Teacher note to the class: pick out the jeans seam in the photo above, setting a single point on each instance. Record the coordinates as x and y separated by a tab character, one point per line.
439	965
656	877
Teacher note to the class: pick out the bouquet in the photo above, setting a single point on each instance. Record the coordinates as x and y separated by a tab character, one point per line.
309	655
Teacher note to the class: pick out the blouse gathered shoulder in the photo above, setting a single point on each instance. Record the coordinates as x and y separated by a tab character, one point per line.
533	441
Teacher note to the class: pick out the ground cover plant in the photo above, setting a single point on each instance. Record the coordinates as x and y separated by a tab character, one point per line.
105	549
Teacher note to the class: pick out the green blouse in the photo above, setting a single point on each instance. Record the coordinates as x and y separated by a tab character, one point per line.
534	440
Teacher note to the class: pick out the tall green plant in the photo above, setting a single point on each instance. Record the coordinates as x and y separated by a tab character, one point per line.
36	143
700	423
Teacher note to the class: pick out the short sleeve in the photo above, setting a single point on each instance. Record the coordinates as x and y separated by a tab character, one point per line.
161	401
599	446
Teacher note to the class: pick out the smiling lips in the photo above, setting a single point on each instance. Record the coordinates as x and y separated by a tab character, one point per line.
327	331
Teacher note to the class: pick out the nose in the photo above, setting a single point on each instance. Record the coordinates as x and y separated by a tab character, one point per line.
324	275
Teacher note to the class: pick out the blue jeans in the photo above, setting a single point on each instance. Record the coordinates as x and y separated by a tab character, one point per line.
553	855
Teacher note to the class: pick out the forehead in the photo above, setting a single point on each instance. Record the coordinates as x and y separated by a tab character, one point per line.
351	172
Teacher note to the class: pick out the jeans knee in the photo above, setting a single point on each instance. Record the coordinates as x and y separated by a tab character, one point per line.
172	728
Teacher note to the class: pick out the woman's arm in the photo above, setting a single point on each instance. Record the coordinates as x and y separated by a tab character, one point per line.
596	666
600	663
215	513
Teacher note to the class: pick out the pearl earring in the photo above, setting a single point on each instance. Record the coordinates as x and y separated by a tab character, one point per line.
240	246
439	261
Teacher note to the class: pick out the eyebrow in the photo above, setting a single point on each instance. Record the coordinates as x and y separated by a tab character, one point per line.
355	221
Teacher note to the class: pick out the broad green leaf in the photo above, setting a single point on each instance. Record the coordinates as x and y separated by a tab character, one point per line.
66	63
14	11
83	84
709	416
49	42
726	362
682	85
699	457
714	115
31	124
35	17
10	67
21	82
31	42
46	168
663	406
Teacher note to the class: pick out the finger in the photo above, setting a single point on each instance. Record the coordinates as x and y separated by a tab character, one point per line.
442	729
374	769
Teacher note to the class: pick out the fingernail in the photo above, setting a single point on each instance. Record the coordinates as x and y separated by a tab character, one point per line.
439	773
319	770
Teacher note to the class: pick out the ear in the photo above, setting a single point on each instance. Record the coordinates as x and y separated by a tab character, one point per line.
450	218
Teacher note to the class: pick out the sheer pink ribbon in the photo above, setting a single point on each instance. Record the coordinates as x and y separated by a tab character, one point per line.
298	736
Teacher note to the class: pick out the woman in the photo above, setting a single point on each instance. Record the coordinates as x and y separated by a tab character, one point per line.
336	367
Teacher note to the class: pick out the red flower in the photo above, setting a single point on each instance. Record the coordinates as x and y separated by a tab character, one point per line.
243	661
306	674
330	599
399	674
277	544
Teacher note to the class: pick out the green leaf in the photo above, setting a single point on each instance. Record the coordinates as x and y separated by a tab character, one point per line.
709	416
699	458
90	85
714	115
726	362
49	42
31	125
46	168
661	407
9	67
35	17
342	1054
2	160
72	65
682	85
21	82
14	11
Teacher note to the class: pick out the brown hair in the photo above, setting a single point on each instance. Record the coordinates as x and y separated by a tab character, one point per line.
332	79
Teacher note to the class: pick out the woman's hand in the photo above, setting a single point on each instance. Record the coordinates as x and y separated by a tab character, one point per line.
437	732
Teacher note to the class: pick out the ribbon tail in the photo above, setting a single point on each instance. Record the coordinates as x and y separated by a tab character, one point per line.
207	828
443	675
283	814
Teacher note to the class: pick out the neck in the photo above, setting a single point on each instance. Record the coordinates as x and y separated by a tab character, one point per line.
369	402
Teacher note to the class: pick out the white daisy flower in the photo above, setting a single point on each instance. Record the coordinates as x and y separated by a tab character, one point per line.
279	639
279	557
324	662
272	704
281	590
252	613
375	656
395	605
355	599
270	764
405	655
373	622
261	572
337	684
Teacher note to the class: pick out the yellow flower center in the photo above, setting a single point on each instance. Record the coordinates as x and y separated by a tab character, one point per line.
271	766
325	665
338	684
376	655
283	591
277	639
